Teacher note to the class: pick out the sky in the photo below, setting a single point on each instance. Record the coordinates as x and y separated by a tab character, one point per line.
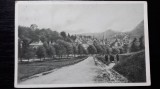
81	18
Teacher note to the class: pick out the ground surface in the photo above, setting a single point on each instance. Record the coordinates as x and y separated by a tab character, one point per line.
83	72
29	69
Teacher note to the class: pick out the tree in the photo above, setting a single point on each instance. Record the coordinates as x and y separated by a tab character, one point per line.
73	37
141	40
69	48
80	49
29	53
91	49
99	48
109	50
134	46
75	50
104	49
33	36
121	50
68	39
41	52
43	39
60	49
115	51
51	51
85	51
55	36
125	48
63	34
28	33
45	45
69	35
67	45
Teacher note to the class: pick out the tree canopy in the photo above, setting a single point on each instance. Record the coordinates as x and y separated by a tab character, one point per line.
92	49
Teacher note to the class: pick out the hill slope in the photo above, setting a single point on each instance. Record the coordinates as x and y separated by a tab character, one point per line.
138	30
133	67
109	34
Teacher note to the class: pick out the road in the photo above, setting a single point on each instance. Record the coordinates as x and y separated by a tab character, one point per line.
83	72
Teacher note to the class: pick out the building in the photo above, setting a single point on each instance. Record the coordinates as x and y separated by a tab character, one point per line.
36	44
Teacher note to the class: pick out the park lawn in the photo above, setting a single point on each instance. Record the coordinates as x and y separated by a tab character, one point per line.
26	70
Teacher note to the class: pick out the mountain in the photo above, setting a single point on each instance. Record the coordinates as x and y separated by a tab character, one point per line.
110	34
107	34
137	31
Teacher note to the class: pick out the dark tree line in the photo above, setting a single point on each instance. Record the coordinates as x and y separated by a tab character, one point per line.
54	44
62	44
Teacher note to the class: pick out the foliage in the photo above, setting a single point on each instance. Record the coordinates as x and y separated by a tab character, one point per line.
99	48
29	53
51	51
85	51
67	45
141	40
80	49
134	45
41	52
73	37
75	49
60	49
63	34
109	50
92	49
115	51
125	48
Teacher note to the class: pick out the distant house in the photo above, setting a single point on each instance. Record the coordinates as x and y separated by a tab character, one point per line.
116	44
85	46
126	39
36	44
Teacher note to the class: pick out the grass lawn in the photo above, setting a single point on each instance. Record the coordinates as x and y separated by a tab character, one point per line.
133	67
26	70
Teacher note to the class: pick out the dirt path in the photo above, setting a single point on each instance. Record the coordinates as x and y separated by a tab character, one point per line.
84	72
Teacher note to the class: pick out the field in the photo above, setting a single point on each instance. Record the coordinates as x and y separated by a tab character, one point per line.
132	67
26	70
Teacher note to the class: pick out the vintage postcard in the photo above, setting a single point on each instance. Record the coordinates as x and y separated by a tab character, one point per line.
81	44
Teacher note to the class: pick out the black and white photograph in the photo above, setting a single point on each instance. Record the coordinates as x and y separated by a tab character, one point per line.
81	44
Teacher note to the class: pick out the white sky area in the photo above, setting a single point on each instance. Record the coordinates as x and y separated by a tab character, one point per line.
81	18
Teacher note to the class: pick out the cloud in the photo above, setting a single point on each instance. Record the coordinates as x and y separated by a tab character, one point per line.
81	18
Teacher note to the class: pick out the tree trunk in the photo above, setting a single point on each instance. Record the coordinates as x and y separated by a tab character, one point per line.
115	59
52	57
108	58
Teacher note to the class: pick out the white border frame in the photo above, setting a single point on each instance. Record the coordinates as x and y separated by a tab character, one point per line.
148	78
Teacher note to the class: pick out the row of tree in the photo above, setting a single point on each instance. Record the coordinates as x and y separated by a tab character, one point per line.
60	44
59	49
